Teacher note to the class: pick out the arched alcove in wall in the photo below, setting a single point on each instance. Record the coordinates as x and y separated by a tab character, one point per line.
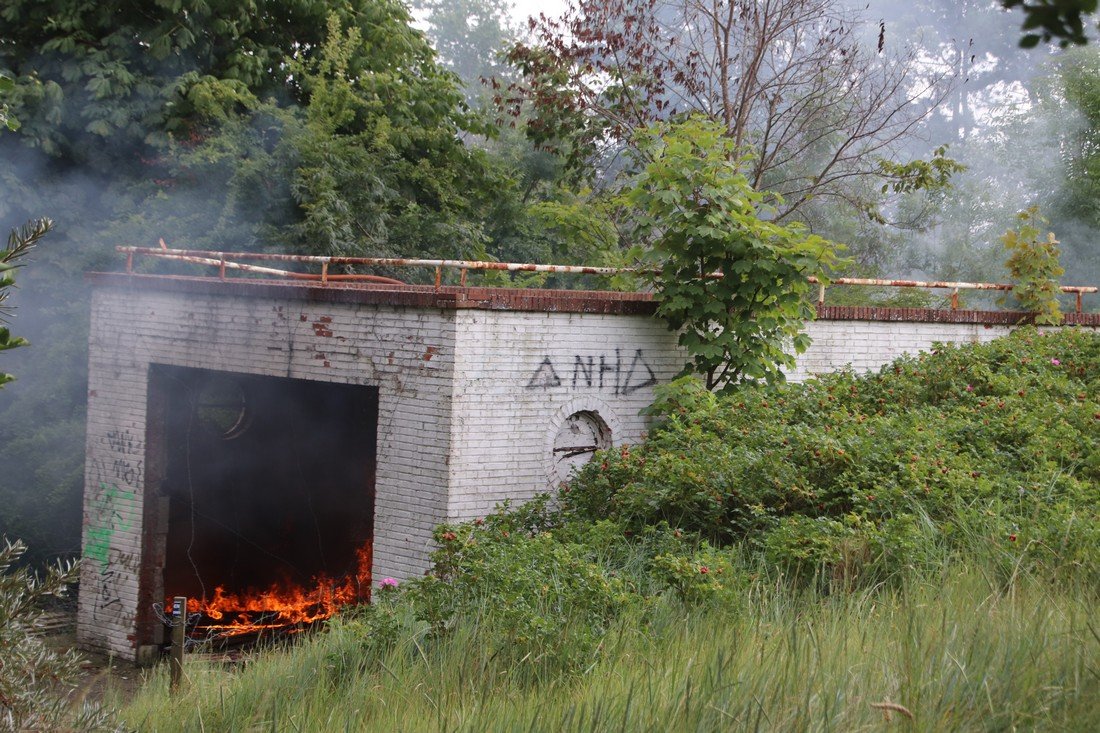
578	429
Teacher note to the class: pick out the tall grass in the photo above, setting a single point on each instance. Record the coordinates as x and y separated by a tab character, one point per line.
961	652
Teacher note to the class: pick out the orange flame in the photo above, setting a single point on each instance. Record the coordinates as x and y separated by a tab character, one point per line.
281	606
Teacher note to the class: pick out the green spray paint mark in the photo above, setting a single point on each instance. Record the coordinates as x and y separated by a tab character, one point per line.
104	520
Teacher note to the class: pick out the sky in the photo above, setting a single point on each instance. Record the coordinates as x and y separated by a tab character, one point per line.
522	9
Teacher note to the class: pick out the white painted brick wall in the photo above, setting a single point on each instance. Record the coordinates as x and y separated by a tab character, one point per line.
468	407
867	345
358	344
507	406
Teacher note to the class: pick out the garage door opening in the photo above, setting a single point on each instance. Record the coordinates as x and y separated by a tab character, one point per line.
266	489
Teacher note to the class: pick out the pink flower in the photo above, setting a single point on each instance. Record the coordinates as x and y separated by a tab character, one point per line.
388	583
1055	362
969	388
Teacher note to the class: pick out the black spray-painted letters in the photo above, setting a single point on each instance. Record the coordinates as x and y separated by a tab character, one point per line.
619	373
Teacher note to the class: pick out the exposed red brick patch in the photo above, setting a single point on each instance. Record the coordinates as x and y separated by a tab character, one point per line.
929	315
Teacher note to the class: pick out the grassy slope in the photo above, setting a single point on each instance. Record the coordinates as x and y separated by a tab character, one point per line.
958	654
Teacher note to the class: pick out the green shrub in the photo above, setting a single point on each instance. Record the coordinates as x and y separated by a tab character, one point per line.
35	680
982	452
1033	263
512	578
880	471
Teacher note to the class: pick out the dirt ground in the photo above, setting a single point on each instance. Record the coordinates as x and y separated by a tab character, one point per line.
98	672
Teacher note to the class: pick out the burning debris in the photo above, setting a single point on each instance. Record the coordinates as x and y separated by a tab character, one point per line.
279	609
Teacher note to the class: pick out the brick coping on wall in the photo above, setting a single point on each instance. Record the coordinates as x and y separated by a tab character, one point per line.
516	299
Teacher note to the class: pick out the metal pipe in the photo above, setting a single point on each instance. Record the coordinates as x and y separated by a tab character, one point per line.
381	261
223	264
204	257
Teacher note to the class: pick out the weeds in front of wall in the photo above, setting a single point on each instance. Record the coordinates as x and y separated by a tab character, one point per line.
954	652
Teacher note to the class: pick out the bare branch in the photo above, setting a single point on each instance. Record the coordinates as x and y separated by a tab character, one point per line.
789	80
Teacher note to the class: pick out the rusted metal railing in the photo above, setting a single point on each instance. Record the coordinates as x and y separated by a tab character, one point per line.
226	261
953	286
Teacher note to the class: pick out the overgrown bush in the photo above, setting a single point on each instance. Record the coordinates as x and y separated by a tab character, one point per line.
35	681
982	446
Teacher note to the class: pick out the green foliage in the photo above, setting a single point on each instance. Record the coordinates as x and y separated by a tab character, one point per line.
35	680
986	448
733	283
1068	115
1075	94
1033	264
20	242
920	175
519	580
87	74
470	36
6	118
1055	20
371	164
316	127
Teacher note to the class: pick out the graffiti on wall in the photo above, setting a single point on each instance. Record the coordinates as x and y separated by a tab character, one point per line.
117	474
621	373
105	517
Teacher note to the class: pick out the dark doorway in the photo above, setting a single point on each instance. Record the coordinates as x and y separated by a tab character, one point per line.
269	481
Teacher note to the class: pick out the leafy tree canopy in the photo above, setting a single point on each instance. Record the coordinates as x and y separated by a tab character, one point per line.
470	37
87	71
323	127
1053	20
731	282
